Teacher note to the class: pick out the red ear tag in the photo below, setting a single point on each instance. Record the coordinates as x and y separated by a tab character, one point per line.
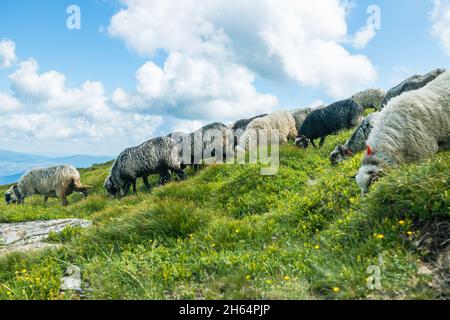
369	151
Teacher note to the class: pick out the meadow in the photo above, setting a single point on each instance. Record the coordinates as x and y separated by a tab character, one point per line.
228	232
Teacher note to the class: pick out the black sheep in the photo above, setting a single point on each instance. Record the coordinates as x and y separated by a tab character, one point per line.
322	122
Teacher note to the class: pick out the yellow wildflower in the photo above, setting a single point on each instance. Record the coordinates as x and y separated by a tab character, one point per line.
336	289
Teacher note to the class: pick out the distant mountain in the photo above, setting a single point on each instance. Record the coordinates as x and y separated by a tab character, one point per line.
10	179
14	164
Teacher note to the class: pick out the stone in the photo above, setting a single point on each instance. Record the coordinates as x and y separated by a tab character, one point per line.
25	236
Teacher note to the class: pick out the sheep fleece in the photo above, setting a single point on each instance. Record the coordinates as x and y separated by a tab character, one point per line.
282	121
412	126
56	182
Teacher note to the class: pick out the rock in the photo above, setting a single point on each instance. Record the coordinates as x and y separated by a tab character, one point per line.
24	236
72	279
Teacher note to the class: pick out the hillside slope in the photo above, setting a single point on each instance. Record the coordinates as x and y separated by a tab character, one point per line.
228	232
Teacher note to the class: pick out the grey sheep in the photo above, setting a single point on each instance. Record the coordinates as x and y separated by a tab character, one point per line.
300	116
356	143
156	156
370	98
198	141
329	120
412	83
54	182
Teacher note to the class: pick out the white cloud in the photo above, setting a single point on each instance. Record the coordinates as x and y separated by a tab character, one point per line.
46	109
9	103
298	39
193	87
362	38
440	17
7	53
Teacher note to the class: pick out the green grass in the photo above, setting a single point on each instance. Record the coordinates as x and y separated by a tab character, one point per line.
230	233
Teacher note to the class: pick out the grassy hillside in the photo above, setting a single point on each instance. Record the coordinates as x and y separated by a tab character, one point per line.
228	232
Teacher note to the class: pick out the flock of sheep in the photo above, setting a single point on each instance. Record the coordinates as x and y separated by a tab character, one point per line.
412	123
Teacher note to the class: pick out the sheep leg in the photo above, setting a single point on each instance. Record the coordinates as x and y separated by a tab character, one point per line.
125	189
164	177
134	186
313	144
45	199
146	183
322	141
180	174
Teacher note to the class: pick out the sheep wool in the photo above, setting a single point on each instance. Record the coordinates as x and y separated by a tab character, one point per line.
412	127
356	143
320	123
370	98
54	182
281	121
156	156
412	83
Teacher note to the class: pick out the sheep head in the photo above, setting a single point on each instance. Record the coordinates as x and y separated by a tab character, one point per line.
339	153
110	186
12	195
302	141
370	171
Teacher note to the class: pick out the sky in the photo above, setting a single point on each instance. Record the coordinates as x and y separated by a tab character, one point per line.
137	69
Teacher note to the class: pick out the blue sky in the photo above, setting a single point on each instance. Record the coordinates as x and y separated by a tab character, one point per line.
111	53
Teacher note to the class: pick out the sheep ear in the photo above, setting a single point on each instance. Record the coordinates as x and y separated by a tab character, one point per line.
16	191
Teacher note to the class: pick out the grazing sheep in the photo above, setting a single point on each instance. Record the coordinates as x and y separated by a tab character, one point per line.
281	121
412	83
199	140
243	123
240	126
156	156
370	98
322	122
300	116
412	127
356	143
54	182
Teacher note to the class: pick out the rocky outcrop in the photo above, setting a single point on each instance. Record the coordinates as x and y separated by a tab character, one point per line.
24	236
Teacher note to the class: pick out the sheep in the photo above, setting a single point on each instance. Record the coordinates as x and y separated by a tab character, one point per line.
156	156
199	140
411	128
412	83
240	126
300	116
322	122
54	182
370	98
356	143
243	123
281	121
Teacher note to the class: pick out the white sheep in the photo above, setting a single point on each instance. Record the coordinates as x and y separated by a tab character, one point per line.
280	121
54	182
412	127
